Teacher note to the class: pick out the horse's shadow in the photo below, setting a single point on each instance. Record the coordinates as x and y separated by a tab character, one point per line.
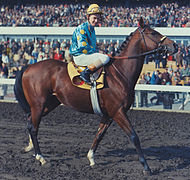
158	153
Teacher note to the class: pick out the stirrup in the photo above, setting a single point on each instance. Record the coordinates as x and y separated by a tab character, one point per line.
88	81
85	75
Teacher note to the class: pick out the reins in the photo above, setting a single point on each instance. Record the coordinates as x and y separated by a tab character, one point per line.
160	48
140	55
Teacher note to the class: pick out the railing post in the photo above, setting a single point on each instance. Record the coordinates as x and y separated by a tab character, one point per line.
183	99
137	98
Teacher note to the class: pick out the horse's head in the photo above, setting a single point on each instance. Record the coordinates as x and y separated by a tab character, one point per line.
151	39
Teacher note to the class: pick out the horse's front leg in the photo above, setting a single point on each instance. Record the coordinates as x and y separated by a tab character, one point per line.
123	121
104	125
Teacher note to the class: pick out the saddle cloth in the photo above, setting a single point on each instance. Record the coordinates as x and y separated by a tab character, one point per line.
74	73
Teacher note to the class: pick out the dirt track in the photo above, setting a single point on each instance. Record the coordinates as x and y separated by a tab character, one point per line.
66	135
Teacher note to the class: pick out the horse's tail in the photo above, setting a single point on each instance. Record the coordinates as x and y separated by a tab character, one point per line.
19	93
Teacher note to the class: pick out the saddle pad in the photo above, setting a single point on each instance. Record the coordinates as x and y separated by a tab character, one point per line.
76	81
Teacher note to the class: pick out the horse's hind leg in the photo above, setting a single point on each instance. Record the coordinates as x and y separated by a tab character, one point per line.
123	121
104	125
51	104
30	144
33	126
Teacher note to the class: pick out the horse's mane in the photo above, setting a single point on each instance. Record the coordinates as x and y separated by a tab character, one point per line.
123	45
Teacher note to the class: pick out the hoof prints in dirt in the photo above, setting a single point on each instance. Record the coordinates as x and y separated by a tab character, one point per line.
65	137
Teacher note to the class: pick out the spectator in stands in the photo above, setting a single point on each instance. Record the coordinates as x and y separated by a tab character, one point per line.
176	79
148	77
46	46
157	59
143	94
32	60
35	53
4	70
159	78
68	57
5	58
40	55
153	78
29	47
171	73
179	57
178	69
58	55
14	47
23	61
4	74
186	55
164	60
166	80
111	50
185	72
46	56
158	81
55	44
63	44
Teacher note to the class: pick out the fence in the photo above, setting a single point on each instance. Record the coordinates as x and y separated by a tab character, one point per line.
169	101
179	35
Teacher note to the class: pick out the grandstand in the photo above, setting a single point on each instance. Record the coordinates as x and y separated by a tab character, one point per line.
126	3
28	24
120	20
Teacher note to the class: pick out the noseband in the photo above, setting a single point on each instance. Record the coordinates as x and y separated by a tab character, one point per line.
159	48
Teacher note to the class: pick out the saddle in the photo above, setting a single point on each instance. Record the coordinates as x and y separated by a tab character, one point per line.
74	73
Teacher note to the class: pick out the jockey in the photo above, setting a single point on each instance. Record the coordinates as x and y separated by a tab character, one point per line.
83	47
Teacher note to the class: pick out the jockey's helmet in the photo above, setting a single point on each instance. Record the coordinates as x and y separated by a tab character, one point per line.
94	9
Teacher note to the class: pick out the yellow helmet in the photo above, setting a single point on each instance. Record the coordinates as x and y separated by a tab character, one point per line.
94	9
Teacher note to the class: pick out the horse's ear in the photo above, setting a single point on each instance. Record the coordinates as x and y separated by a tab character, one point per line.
141	22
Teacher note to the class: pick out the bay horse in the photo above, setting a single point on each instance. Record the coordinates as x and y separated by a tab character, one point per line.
41	87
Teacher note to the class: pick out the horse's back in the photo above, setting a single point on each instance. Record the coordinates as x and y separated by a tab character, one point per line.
42	76
46	66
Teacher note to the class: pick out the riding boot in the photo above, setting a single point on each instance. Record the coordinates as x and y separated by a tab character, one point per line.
85	74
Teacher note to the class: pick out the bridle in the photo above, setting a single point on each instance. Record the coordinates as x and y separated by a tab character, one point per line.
159	48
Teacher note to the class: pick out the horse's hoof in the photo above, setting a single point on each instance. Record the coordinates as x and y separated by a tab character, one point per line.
41	159
147	172
22	151
92	165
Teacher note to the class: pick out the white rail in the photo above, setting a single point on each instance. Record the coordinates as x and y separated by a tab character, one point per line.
165	88
102	31
138	87
184	92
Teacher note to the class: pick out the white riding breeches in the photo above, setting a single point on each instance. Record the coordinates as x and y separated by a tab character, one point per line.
88	59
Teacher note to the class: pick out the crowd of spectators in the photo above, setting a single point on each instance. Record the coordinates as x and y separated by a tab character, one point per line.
68	15
17	53
178	77
181	58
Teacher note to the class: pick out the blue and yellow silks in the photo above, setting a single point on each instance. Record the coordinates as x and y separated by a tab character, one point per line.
83	40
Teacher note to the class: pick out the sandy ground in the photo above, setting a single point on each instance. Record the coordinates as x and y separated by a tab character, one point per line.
65	137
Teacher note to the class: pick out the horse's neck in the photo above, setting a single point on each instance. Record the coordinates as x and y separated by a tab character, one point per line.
130	68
